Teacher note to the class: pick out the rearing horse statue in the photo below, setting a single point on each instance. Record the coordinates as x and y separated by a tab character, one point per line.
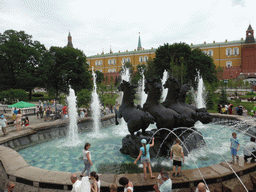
136	119
164	117
172	102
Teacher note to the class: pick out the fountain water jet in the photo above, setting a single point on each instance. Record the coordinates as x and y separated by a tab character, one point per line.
95	105
143	95
165	90
73	117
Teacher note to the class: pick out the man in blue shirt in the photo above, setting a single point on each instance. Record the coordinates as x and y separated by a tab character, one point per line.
167	184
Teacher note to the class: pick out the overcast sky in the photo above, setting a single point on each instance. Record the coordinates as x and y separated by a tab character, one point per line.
96	25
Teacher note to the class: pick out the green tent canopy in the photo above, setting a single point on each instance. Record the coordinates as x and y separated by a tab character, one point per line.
22	104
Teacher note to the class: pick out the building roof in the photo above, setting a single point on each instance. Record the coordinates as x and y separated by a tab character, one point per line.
123	53
154	49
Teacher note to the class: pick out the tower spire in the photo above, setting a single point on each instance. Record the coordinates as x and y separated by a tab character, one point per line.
249	35
139	43
69	40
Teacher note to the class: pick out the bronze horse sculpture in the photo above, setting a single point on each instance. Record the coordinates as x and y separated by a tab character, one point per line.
135	118
164	117
172	102
202	114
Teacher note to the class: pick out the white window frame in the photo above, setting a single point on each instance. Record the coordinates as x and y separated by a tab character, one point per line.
123	60
145	58
114	70
141	59
234	51
228	50
109	70
109	62
210	53
100	62
128	59
88	62
114	62
96	63
229	64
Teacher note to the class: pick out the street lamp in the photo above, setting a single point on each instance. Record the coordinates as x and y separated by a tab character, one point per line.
225	82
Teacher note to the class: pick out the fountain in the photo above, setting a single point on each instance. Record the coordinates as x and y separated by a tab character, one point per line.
165	90
95	105
143	95
73	117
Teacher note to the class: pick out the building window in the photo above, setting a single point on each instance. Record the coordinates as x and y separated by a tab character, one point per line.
228	51
96	63
229	64
129	60
114	61
88	62
145	58
236	51
204	51
123	61
109	61
141	59
210	53
109	70
100	62
100	70
113	70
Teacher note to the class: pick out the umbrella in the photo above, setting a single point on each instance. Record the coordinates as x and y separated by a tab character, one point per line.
22	104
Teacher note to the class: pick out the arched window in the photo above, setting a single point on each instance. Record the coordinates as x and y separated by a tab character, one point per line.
109	61
114	62
141	59
210	53
204	51
109	70
100	70
228	51
229	64
123	61
88	62
100	62
236	51
114	70
96	63
129	60
145	58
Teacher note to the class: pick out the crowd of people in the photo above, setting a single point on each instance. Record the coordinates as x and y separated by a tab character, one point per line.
229	109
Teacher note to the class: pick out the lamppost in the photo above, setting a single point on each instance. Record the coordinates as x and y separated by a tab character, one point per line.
225	82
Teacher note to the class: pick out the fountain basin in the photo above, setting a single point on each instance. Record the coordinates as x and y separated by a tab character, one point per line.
40	178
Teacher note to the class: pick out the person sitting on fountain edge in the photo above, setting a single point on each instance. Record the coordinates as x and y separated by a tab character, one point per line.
250	150
128	186
234	147
145	157
167	184
177	153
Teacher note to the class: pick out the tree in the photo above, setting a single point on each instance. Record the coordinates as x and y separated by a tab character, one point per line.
66	66
83	98
11	96
219	72
20	58
100	77
185	63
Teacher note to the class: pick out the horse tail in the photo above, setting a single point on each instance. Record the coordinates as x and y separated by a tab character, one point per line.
116	112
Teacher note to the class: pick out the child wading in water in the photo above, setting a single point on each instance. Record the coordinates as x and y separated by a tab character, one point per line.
234	147
177	153
145	157
87	159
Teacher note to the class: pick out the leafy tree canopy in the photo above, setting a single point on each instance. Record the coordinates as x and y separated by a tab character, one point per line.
185	63
66	66
20	58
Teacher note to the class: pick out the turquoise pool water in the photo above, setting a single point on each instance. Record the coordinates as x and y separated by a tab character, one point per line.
56	155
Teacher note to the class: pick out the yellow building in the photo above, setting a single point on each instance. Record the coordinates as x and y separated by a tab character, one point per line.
224	54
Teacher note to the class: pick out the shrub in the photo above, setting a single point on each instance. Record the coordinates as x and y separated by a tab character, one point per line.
11	96
37	95
249	93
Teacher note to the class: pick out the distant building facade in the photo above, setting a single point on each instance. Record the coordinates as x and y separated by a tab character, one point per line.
235	57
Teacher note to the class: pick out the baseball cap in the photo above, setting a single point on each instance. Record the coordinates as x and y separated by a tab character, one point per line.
2	116
143	141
